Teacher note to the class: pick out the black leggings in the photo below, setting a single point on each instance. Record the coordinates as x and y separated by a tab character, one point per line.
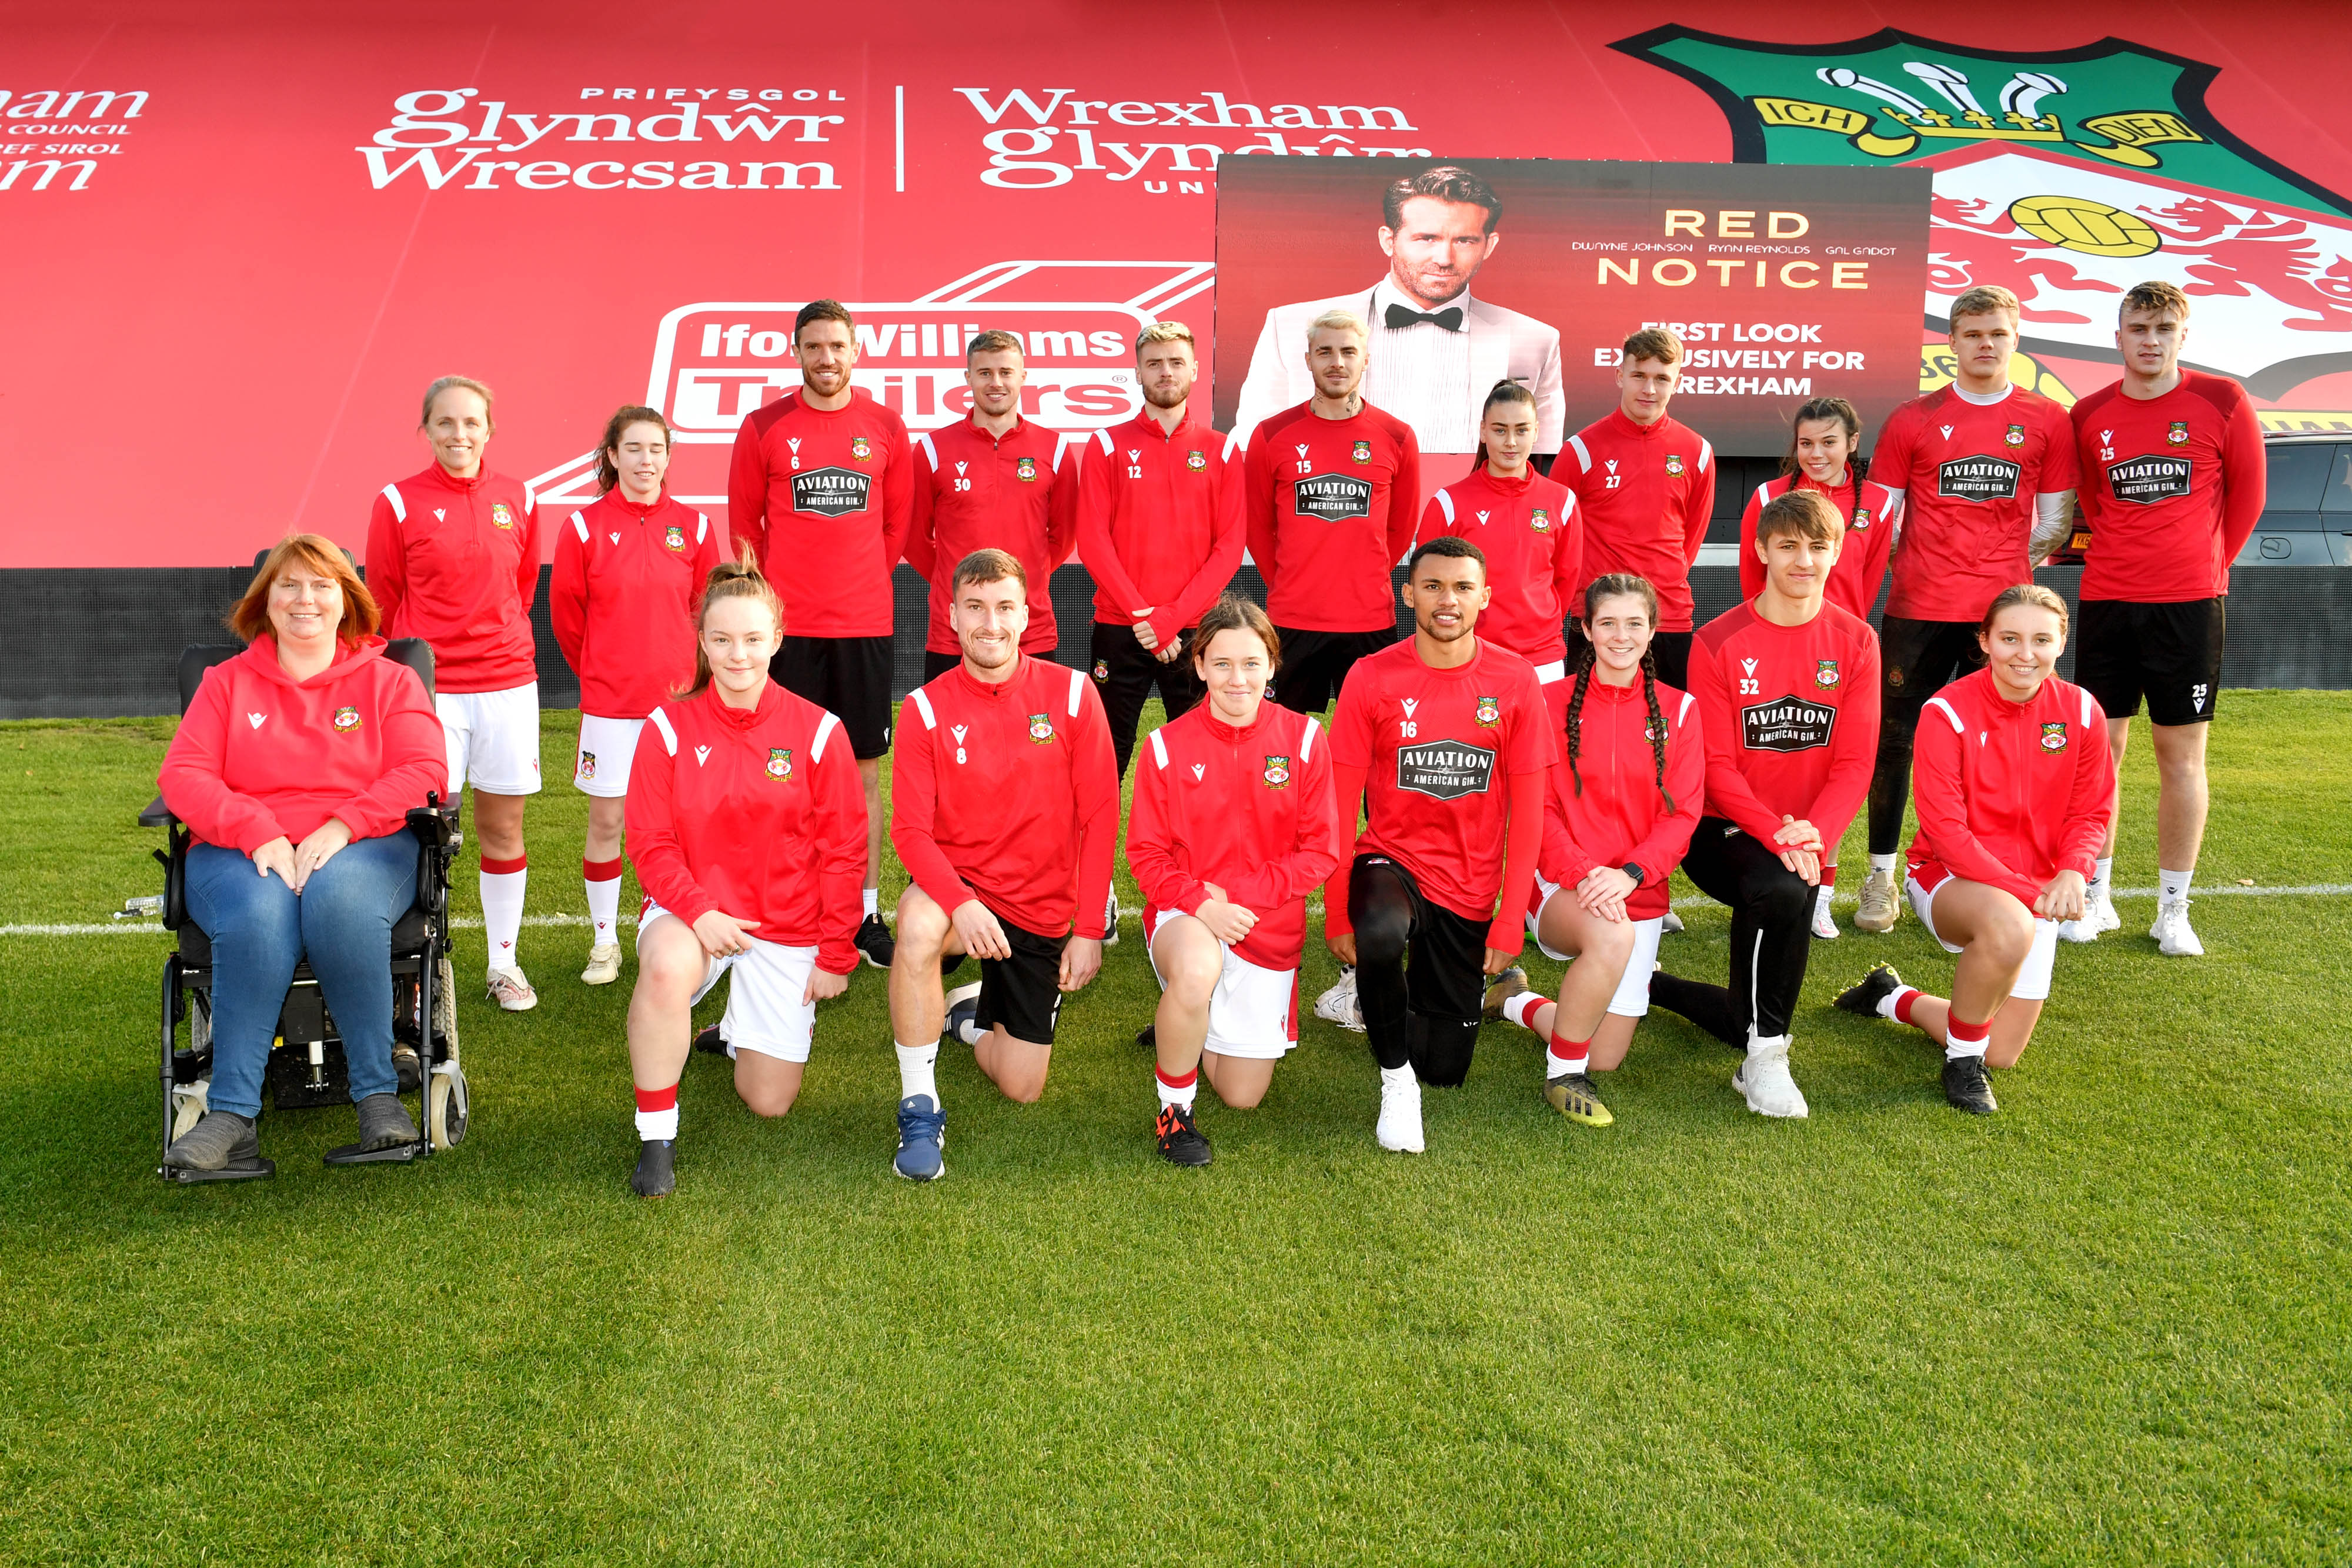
1919	659
1426	1017
1771	937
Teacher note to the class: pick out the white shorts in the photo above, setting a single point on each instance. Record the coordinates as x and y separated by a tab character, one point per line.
764	1011
1633	997
600	762
2033	979
1252	1012
493	739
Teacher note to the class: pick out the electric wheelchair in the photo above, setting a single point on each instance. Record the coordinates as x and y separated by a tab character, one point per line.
306	1063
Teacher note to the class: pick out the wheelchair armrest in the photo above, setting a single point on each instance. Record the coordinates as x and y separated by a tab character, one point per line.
157	815
435	826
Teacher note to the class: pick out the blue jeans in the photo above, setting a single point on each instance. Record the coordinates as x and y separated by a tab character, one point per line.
261	928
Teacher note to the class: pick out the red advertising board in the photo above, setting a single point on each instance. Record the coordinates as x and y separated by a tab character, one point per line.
242	238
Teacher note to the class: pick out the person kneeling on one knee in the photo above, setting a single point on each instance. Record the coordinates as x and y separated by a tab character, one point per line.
294	769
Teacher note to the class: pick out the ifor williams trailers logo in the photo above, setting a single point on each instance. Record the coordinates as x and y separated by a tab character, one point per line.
715	364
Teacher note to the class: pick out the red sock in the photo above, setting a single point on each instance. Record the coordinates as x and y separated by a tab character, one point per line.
1966	1039
1568	1055
1904	1001
594	870
657	1099
506	868
1177	1091
1829	877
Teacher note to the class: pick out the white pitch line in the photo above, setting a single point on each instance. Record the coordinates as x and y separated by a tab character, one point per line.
468	922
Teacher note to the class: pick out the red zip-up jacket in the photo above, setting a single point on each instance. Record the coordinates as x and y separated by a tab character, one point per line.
1861	564
456	561
1645	492
756	813
1248	809
1160	521
2173	486
1790	719
1007	793
622	597
260	755
1533	540
835	484
1969	473
2010	794
1013	492
1620	815
1332	504
1448	762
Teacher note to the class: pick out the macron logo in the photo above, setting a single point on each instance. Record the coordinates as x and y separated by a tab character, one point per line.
440	516
1481	517
701	756
1198	769
257	718
961	466
1947	432
1409	703
1612	465
614	538
1302	449
2106	438
1748	665
794	443
958	729
1135	455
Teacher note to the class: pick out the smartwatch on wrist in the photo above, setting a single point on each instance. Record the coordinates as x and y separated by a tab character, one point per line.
1635	872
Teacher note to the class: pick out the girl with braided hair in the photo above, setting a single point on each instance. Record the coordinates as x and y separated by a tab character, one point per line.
1624	795
1826	456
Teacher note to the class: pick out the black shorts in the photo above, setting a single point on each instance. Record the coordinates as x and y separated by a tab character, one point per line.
1920	658
1024	992
2169	654
1446	953
1670	652
849	677
1315	664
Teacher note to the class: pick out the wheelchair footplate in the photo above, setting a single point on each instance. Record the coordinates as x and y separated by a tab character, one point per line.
256	1169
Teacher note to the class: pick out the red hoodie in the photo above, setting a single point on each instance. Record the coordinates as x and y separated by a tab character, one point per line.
756	813
1620	815
838	483
1645	492
1331	504
623	598
1861	564
1007	793
1248	809
1160	521
456	561
2010	794
1016	492
261	755
1533	540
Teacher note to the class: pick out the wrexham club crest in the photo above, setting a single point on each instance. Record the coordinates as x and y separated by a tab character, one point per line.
1675	464
780	764
2179	434
501	514
1825	674
347	719
1026	470
1277	772
1041	729
1363	453
1102	669
1861	519
1490	711
1540	520
2053	735
587	769
2016	435
1196	461
674	537
860	449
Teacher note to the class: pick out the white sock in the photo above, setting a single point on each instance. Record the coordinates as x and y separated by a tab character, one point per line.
915	1075
1821	898
1883	862
873	903
1397	1077
2102	877
1517	1008
1893	1000
1559	1066
2172	886
1171	1095
654	1125
502	893
603	909
968	1032
1757	1042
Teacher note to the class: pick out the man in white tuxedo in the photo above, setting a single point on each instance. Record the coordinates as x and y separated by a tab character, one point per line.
1436	352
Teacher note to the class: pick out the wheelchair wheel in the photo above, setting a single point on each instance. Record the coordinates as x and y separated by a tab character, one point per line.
200	1022
447	1107
445	1006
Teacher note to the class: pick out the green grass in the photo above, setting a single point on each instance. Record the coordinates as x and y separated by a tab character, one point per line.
2108	1325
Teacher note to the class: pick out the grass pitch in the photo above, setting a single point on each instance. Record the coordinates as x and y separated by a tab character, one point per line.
2109	1324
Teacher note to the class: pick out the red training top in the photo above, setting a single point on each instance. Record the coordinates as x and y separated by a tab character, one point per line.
1968	472
456	561
2173	486
2010	794
1249	808
803	487
1422	746
1533	539
1160	521
1645	492
1861	564
261	755
1622	814
1790	718
1007	793
756	813
622	598
976	491
1331	509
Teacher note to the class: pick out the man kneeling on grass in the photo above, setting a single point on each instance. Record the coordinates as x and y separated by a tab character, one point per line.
1004	810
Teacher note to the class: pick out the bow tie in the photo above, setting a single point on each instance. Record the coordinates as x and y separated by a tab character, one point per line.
1450	317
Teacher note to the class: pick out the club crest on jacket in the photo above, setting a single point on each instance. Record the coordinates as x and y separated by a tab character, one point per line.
1490	711
779	763
1196	461
347	719
1277	772
2053	735
674	537
860	449
1825	673
502	515
1041	729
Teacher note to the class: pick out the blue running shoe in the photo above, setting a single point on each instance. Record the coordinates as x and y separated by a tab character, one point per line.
922	1134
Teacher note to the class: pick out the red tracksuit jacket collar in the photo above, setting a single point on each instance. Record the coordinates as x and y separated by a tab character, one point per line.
1623	426
260	658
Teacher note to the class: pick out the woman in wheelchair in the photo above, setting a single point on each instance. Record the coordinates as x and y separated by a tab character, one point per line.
294	770
746	825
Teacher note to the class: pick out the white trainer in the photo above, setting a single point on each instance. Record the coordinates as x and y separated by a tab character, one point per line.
1764	1080
1110	919
2174	939
512	991
1880	907
2108	919
1339	1005
1400	1125
1825	924
1670	924
604	964
2098	914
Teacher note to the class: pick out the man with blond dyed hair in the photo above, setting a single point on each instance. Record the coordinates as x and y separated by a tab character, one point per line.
1984	472
2173	481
